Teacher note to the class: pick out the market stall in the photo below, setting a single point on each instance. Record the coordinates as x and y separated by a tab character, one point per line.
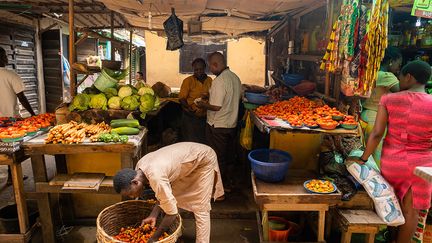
83	168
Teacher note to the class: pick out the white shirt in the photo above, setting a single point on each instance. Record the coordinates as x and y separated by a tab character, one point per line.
10	85
225	92
184	175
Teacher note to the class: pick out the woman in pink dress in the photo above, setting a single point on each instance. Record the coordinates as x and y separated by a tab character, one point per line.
408	143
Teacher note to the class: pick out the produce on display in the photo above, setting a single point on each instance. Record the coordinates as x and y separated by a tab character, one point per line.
276	93
126	98
112	138
125	131
300	111
110	92
74	133
114	103
320	186
98	101
129	103
13	128
124	123
80	102
139	234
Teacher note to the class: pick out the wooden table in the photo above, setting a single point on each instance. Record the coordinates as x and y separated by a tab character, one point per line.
424	172
290	195
14	160
130	152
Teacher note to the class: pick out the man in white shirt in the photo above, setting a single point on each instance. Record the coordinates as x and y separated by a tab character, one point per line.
222	114
11	88
183	175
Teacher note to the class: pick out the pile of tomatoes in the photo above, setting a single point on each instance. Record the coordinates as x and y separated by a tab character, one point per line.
139	234
11	128
300	111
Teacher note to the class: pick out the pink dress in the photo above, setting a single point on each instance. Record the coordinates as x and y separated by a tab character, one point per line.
408	144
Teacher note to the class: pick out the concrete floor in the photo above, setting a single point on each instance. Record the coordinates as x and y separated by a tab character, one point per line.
233	220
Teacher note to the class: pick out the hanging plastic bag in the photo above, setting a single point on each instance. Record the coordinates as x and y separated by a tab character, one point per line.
173	27
246	133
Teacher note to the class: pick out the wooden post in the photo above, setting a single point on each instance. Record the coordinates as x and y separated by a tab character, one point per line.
130	56
72	48
39	64
112	36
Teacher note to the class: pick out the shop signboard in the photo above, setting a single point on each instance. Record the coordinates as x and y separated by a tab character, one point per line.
422	8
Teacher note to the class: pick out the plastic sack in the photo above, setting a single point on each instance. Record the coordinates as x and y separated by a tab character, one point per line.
361	172
173	27
389	210
378	187
370	163
246	133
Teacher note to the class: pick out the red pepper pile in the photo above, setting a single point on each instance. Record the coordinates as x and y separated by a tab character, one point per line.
139	234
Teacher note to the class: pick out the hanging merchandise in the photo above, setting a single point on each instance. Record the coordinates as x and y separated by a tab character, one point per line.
357	46
376	44
246	133
173	27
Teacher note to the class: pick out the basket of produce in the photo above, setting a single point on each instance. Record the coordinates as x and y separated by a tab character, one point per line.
254	98
292	79
269	165
120	223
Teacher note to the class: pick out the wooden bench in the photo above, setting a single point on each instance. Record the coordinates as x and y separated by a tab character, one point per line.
358	221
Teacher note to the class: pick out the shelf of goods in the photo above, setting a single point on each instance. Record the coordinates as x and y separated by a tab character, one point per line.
76	165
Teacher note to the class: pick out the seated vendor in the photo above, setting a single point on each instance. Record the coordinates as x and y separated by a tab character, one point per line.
140	81
182	175
192	88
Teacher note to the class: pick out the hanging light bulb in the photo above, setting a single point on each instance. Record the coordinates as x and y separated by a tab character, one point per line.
418	22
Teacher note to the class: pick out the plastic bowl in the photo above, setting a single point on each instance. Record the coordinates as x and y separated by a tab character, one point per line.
349	126
250	106
328	127
269	165
292	79
254	98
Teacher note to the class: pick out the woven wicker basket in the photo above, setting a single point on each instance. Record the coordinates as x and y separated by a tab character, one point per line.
129	213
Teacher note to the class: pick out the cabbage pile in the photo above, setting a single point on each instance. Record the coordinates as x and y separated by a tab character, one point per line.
125	97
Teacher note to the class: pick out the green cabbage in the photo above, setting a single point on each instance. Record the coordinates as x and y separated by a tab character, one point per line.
114	103
145	90
110	92
147	103
129	103
98	101
125	91
80	102
118	75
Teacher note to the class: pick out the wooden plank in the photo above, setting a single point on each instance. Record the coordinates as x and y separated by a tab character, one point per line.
18	185
46	218
106	187
39	168
366	217
291	191
5	159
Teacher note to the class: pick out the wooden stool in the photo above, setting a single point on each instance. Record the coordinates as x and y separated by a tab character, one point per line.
358	221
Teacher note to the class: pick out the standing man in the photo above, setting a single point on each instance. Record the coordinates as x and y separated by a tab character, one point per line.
184	175
222	113
194	87
11	88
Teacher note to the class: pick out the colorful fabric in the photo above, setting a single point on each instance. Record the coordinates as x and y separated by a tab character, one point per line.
408	144
386	81
418	235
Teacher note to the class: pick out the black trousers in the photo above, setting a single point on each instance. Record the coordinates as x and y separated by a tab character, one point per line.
222	141
193	128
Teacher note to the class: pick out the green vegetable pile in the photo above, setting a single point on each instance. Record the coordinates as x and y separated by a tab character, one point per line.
113	138
125	97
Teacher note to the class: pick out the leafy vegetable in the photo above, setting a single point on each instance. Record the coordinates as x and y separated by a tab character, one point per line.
147	103
110	92
114	103
145	90
124	138
125	91
80	102
156	104
98	101
119	75
91	90
129	103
